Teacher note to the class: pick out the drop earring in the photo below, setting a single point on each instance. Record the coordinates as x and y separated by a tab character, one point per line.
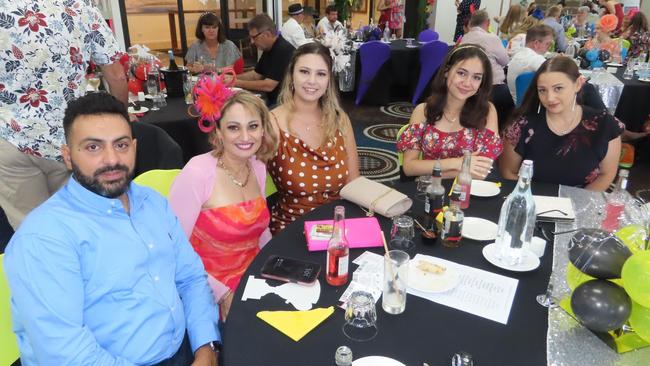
539	107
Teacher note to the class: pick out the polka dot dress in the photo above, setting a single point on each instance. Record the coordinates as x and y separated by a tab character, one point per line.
306	178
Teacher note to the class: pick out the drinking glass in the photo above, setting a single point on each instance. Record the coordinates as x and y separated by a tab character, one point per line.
360	317
396	269
546	299
422	184
462	359
409	42
402	233
94	81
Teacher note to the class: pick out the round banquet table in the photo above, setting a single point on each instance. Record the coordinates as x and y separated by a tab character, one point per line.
182	127
425	332
633	108
397	78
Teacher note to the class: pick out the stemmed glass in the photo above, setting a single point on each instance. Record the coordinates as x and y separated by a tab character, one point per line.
546	299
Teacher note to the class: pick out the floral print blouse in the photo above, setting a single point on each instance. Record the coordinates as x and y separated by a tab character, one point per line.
45	47
436	144
572	159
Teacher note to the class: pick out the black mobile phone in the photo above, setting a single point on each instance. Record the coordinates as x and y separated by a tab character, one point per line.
290	270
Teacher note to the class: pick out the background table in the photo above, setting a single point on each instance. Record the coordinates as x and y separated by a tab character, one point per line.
182	127
634	106
397	78
425	332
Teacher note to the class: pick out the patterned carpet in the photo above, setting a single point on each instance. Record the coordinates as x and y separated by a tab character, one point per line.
375	129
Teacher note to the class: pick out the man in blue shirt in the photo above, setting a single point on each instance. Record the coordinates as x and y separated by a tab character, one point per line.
102	272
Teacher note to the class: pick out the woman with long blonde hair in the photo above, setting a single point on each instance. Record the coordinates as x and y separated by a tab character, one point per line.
511	21
316	154
518	35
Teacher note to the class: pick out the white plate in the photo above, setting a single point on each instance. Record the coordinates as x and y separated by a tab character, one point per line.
422	42
479	229
645	80
376	361
431	282
529	260
614	64
482	188
142	109
149	96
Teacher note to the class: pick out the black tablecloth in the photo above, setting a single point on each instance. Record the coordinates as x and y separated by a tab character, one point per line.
397	79
425	332
182	127
634	106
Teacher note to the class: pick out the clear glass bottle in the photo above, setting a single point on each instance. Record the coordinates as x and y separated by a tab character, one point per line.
338	252
435	201
517	218
465	179
452	220
615	205
153	77
172	63
386	33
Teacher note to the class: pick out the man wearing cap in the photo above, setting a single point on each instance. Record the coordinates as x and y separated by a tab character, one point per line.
291	29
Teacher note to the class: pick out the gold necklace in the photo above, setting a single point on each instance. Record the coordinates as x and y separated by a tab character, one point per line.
450	120
232	177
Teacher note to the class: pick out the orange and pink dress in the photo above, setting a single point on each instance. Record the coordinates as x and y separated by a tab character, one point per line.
227	238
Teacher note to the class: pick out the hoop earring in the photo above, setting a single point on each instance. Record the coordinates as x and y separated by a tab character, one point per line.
573	107
539	107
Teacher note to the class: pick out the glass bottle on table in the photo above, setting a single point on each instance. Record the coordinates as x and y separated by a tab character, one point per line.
172	63
338	252
464	179
452	220
435	201
517	218
615	203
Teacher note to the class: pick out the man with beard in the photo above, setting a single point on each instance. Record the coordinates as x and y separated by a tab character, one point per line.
102	272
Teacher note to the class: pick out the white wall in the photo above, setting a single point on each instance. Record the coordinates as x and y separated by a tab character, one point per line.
645	7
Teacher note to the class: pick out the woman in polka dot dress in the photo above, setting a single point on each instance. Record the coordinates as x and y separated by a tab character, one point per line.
317	154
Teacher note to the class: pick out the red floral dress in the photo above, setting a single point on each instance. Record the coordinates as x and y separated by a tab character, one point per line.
572	159
436	144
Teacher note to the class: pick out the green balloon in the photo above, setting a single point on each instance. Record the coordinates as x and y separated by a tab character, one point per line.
636	277
633	236
575	277
640	321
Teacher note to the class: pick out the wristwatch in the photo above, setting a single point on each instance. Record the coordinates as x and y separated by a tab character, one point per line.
215	346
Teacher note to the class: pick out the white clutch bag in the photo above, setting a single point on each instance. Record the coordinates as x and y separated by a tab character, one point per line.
376	197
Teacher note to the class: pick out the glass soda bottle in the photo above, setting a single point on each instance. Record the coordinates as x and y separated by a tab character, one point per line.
615	206
465	180
435	200
517	218
452	220
172	62
338	252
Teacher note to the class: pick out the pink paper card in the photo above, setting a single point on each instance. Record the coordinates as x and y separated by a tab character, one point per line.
362	232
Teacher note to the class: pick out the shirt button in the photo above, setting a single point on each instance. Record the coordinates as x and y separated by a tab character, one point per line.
156	278
150	245
109	211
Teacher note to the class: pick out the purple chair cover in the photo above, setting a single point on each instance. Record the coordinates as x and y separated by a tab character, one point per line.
373	55
431	56
428	35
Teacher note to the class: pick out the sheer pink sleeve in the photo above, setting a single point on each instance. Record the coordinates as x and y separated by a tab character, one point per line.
191	188
260	173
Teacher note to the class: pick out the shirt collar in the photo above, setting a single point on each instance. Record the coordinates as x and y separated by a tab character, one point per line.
100	203
478	29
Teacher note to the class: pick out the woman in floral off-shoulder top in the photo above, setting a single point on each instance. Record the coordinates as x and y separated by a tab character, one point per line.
456	117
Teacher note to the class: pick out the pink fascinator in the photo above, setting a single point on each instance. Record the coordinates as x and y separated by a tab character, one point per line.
608	22
210	94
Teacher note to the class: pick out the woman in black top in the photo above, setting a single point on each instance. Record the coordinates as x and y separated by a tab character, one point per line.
464	9
570	143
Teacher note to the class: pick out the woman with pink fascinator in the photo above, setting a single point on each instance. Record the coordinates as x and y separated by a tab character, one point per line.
603	39
219	196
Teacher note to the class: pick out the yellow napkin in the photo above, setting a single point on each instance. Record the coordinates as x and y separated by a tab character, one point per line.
296	324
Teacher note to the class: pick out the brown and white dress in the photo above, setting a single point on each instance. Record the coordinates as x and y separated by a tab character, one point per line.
305	177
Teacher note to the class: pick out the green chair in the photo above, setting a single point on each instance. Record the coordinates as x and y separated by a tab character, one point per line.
159	180
400	155
8	344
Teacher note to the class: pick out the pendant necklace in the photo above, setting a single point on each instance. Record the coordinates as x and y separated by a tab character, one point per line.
232	177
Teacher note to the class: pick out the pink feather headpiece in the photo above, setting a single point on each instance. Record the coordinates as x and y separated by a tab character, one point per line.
210	94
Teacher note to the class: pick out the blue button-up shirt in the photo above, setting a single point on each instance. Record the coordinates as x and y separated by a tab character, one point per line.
94	285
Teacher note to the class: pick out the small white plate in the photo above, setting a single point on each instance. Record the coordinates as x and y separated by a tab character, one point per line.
131	110
529	261
422	42
430	282
477	228
614	64
149	96
483	188
376	361
645	80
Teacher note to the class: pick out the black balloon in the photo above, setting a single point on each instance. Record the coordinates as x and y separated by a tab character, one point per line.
604	55
598	253
601	305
